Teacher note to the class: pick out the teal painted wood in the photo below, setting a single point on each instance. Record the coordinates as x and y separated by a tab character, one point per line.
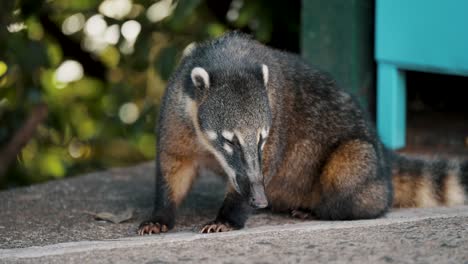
421	35
337	36
391	105
424	35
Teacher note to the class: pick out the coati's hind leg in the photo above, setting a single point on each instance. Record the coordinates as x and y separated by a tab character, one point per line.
302	214
174	177
352	184
232	215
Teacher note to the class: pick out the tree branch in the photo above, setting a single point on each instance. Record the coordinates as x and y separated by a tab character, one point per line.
21	138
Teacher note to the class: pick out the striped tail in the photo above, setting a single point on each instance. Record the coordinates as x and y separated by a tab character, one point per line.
420	182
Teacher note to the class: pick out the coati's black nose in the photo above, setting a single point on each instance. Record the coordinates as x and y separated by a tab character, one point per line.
258	204
258	198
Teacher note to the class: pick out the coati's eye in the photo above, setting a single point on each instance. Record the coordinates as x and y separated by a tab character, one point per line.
230	145
234	142
229	138
229	142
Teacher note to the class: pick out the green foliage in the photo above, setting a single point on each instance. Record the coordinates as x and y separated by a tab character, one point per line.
106	115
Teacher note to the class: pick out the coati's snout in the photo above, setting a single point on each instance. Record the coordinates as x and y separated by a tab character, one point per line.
241	157
258	197
240	154
249	180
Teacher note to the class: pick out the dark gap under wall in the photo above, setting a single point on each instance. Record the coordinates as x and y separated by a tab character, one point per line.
437	92
437	113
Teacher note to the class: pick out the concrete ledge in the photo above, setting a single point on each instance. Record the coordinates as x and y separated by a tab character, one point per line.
50	223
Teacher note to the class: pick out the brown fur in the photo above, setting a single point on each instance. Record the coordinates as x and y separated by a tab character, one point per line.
180	173
419	189
183	155
426	196
371	196
295	176
179	158
404	187
350	171
348	166
453	191
291	182
414	191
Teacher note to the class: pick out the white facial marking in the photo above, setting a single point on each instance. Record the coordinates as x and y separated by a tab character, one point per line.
191	110
228	149
264	133
265	74
200	75
240	137
211	135
227	135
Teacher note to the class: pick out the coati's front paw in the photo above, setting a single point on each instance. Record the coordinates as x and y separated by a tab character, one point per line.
216	227
150	227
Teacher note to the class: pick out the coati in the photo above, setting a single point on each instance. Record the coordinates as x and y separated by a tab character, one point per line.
286	137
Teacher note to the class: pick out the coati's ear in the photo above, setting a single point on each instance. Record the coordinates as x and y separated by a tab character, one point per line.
265	74
200	78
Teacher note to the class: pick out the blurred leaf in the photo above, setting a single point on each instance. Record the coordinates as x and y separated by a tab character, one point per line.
249	10
34	28
264	29
51	165
147	145
183	10
3	68
55	54
166	61
110	56
140	58
74	5
216	29
115	218
30	55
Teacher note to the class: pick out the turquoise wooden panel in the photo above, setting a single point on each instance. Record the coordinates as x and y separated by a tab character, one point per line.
428	35
391	105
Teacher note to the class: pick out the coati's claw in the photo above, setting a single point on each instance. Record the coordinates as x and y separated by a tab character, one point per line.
301	214
151	228
216	228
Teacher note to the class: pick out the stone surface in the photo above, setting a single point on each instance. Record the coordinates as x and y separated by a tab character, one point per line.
62	211
54	223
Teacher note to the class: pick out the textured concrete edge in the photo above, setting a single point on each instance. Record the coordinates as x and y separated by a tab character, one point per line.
130	242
